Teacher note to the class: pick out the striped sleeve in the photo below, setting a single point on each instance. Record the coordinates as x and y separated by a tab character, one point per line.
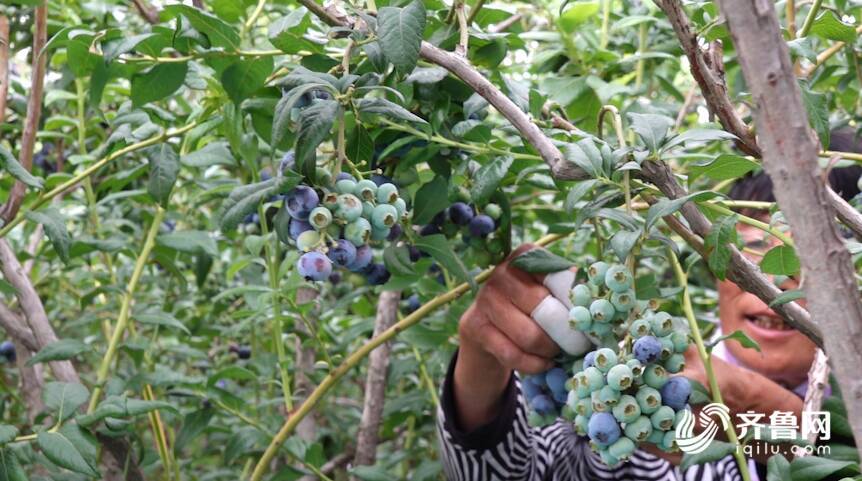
508	448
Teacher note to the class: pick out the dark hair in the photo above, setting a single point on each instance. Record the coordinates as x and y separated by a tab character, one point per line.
844	181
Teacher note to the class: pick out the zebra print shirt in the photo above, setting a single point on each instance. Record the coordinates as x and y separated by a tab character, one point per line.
508	448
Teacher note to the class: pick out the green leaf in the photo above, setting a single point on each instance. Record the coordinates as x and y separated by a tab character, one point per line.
541	261
389	109
114	49
576	14
10	164
10	468
244	199
578	192
487	179
231	372
813	468
740	337
7	433
441	250
162	319
121	407
315	122
360	145
193	425
623	242
651	128
715	451
64	398
697	135
164	168
430	199
724	167
400	34
787	296
63	453
829	26
219	33
190	242
817	106
157	83
55	228
777	468
288	32
585	155
668	206
243	78
59	351
397	260
214	153
699	393
780	260
717	244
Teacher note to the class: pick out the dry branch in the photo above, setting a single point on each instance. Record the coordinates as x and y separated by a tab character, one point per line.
147	12
375	382
790	159
34	110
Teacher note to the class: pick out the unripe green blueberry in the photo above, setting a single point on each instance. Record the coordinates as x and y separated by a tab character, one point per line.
662	324
493	211
582	424
639	328
619	328
609	396
608	458
595	379
495	245
330	200
668	442
624	301
596	273
680	341
320	218
662	418
378	234
581	295
384	216
349	207
358	232
400	207
581	385
655	437
655	376
639	429
580	317
618	278
649	399
666	348
387	193
345	186
627	409
324	176
308	240
600	329
620	377
605	359
584	407
675	363
367	209
463	194
333	230
535	419
622	449
602	310
567	413
599	406
677	417
366	190
636	367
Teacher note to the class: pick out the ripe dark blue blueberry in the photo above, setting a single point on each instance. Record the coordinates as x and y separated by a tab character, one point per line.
300	201
647	349
395	232
460	213
314	266
7	350
542	404
243	352
413	303
344	176
362	259
335	278
343	253
555	378
531	386
603	429
590	359
297	227
429	229
676	392
377	274
381	179
415	253
481	226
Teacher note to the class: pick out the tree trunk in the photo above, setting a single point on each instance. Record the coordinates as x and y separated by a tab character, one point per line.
307	428
4	65
790	159
375	382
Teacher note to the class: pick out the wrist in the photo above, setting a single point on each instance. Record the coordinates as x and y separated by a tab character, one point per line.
479	383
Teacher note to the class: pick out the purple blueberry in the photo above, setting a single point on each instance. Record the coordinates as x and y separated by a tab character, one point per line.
344	176
542	404
377	274
335	278
413	303
590	359
381	179
481	226
675	392
647	349
296	227
343	253
460	213
7	350
395	232
300	201
555	378
415	253
361	260
603	429
243	352
531	386
439	219
314	266
429	229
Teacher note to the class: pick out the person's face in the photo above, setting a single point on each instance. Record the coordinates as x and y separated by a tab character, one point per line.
786	354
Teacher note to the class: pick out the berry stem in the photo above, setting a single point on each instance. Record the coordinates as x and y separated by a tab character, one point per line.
705	357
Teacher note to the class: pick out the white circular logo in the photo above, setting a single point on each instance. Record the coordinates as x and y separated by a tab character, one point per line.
687	441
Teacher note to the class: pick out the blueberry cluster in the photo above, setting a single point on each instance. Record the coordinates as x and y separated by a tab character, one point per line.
476	228
334	227
546	395
626	396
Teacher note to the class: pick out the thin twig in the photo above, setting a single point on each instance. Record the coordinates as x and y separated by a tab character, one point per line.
147	12
505	24
4	65
818	379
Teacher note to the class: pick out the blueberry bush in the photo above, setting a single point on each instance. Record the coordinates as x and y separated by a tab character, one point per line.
222	220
